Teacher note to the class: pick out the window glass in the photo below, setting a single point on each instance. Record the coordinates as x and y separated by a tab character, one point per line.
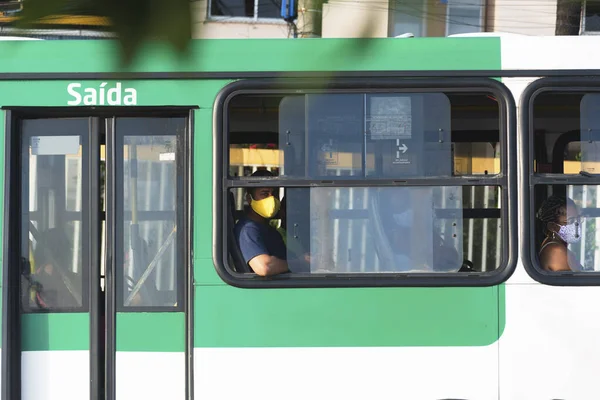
567	133
334	223
358	136
556	133
592	16
567	218
388	229
53	159
407	16
269	9
245	8
566	141
150	189
590	133
232	8
464	16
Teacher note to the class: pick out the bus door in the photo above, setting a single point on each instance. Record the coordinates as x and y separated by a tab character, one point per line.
102	252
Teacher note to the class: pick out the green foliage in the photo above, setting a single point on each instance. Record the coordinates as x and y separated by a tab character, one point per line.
133	21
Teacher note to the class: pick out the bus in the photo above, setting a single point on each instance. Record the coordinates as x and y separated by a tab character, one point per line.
416	183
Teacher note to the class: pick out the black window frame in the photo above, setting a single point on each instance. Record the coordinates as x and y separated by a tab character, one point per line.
506	180
529	179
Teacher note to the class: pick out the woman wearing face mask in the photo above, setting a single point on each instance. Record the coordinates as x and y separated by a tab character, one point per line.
562	226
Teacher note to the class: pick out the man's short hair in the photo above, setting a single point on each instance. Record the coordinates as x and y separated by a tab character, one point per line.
259	172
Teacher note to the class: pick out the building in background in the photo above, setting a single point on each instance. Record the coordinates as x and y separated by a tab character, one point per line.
389	18
235	19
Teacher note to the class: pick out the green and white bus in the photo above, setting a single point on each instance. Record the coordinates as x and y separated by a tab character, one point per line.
413	171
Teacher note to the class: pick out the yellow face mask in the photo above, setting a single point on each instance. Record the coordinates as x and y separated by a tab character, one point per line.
266	207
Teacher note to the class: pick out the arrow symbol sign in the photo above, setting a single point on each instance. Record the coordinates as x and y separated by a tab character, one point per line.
403	148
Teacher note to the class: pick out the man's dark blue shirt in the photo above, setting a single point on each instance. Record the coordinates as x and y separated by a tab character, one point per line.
255	238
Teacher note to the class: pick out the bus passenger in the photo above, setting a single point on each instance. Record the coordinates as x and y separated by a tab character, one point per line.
261	245
562	226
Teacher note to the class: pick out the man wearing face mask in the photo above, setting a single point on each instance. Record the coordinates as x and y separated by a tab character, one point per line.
261	245
562	226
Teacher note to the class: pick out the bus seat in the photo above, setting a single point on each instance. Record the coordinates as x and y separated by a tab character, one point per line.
234	249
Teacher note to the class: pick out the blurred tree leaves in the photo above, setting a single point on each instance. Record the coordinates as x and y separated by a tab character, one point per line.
133	21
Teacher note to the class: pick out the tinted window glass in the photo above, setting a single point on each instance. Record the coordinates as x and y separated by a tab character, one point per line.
358	136
151	185
54	192
387	230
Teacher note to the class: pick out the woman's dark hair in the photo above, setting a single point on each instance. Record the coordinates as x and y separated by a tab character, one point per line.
552	209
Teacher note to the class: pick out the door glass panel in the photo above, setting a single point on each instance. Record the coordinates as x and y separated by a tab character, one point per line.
53	225
148	206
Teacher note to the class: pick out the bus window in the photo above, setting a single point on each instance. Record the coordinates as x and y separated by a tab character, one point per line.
310	144
565	212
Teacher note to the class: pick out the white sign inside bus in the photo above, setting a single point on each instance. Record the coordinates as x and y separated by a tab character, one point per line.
54	145
101	96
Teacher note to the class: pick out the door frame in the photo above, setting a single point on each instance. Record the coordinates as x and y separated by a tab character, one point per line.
11	315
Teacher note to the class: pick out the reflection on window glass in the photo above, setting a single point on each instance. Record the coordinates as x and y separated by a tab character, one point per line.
381	230
53	280
385	229
560	124
590	133
360	135
568	238
150	209
232	8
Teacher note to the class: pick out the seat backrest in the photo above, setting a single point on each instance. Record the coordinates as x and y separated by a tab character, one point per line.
234	251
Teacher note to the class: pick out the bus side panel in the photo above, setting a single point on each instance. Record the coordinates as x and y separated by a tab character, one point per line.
404	342
550	345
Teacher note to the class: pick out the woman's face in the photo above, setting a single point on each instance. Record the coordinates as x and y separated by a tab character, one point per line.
571	216
568	215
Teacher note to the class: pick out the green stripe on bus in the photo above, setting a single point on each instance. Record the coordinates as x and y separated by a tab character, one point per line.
259	55
232	317
149	93
158	332
62	331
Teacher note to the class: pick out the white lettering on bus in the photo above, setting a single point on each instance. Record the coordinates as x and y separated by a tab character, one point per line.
100	96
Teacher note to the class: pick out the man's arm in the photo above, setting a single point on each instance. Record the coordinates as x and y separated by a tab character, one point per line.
266	265
255	253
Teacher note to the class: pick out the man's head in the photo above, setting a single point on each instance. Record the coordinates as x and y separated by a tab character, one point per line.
261	199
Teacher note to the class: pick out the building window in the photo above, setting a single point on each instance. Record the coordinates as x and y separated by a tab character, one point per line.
407	16
464	16
364	186
590	18
244	9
